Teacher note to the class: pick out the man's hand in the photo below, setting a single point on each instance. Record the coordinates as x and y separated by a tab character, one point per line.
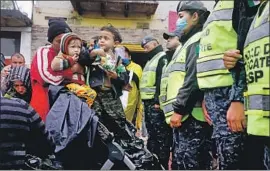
230	58
176	120
205	114
112	74
236	117
5	71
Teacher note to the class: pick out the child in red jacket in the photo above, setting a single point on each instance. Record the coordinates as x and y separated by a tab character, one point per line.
70	48
41	72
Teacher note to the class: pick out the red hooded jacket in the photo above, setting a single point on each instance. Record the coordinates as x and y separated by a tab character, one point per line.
42	76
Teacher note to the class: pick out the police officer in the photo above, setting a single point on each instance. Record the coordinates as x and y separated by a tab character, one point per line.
256	48
182	102
224	106
173	45
173	42
158	130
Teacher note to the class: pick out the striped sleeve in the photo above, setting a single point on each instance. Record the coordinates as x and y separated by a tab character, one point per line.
43	64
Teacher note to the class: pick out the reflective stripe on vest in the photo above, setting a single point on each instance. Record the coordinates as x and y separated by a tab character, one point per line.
219	15
259	102
176	77
256	56
197	112
147	85
164	78
218	36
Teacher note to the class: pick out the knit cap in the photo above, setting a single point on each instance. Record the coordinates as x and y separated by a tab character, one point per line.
57	27
66	38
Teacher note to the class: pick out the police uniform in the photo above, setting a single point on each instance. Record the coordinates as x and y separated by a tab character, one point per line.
180	94
257	101
158	131
218	36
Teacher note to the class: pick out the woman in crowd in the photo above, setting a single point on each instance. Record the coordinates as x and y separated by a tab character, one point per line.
19	84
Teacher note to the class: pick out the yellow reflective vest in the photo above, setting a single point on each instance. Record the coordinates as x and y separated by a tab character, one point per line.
175	79
257	60
147	85
164	78
218	36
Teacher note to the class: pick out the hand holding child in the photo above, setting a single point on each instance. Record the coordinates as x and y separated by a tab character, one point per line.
77	68
111	74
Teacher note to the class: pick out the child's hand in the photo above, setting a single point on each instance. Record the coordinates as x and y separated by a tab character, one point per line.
112	74
97	52
75	57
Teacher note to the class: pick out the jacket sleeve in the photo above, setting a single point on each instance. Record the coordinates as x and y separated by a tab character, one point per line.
59	63
161	63
3	84
242	18
189	93
85	59
122	75
45	70
139	118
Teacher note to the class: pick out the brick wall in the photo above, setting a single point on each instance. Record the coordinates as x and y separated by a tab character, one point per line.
133	36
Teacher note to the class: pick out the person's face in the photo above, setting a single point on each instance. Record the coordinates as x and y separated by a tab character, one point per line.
106	40
74	47
148	47
19	87
56	43
91	43
191	20
127	55
172	43
17	61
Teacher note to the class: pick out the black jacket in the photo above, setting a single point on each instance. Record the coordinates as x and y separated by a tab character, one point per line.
68	118
189	93
96	76
169	55
161	63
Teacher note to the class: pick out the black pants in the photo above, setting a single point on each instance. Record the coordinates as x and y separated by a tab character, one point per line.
159	133
255	152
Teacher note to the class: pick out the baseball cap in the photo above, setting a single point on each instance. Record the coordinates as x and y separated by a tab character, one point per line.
167	35
147	39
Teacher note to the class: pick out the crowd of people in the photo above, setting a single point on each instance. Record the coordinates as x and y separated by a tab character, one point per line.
204	100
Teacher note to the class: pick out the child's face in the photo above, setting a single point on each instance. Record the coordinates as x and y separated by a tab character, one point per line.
74	47
106	40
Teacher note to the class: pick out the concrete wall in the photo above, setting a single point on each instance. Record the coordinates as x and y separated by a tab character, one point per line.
88	26
26	41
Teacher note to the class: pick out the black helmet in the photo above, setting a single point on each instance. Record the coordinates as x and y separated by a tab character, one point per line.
190	5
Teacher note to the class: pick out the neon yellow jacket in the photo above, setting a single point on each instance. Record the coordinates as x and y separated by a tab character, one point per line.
134	98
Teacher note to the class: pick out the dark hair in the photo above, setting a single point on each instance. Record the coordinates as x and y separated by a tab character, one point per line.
203	15
114	31
127	50
18	55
